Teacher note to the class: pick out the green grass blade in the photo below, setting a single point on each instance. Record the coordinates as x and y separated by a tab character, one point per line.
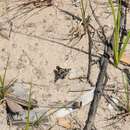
116	41
113	10
5	71
28	113
82	10
125	43
1	81
117	34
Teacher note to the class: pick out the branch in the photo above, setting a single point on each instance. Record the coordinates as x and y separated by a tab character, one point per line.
100	84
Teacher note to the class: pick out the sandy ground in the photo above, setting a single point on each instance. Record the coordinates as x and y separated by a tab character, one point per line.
38	42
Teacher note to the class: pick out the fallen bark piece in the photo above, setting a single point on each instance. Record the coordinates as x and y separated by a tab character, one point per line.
66	123
22	102
14	107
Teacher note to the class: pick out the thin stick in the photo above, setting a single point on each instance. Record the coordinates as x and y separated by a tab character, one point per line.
100	84
90	43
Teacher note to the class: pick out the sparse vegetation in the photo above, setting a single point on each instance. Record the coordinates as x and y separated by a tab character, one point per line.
119	42
28	112
3	87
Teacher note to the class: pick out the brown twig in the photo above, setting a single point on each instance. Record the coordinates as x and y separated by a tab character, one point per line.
100	84
90	43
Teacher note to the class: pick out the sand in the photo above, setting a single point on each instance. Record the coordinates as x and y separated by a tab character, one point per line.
39	40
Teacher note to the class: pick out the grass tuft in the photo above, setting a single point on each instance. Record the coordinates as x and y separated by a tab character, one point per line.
118	52
3	88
